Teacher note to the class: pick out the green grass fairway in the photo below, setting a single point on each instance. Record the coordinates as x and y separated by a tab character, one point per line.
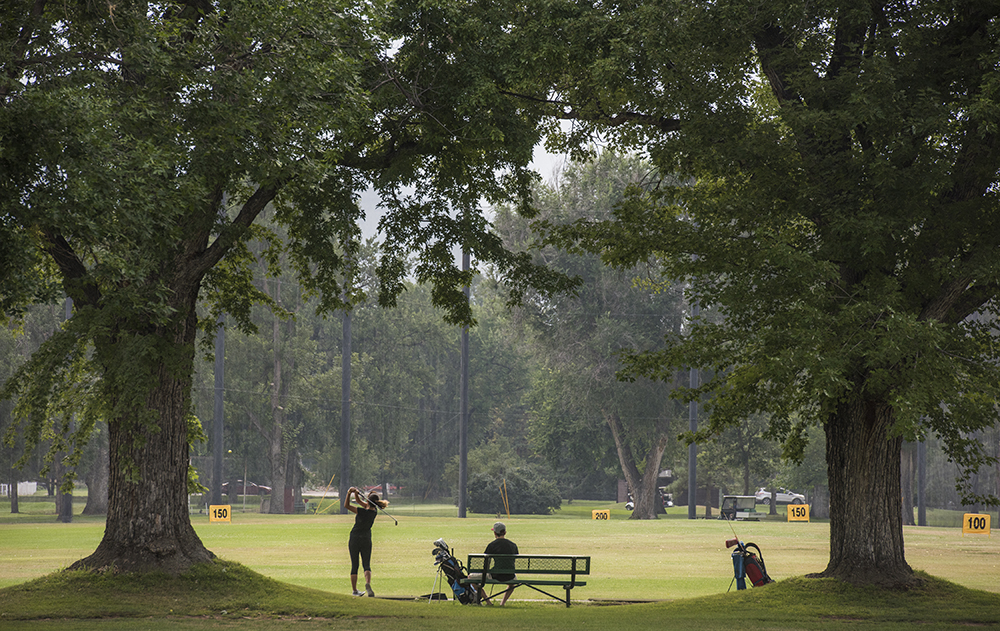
664	559
681	565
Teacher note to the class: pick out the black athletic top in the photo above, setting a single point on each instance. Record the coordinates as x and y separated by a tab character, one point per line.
502	546
364	519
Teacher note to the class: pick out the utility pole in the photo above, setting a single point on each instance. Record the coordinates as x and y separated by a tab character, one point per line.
463	424
921	483
345	411
218	424
217	420
693	448
64	501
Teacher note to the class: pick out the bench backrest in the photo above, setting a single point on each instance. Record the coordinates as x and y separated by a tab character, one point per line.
529	564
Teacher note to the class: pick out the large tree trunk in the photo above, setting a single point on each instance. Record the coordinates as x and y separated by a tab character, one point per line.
643	484
148	527
866	532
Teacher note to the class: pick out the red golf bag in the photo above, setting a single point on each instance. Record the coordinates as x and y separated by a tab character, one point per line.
748	565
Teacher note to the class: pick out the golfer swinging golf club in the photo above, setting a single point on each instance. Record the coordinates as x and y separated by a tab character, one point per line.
360	543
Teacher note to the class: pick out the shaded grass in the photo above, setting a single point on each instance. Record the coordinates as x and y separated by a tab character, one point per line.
224	595
291	572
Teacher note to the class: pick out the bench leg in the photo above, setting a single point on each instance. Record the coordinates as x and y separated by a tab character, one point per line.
567	597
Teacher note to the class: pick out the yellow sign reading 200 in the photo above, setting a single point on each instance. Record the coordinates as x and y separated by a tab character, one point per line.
601	514
798	512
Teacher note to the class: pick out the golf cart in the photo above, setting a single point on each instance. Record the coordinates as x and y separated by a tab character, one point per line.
739	507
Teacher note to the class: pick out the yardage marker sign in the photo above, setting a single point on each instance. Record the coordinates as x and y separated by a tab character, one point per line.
220	512
798	512
975	524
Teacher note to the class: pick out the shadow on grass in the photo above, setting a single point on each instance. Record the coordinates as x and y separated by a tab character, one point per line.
224	594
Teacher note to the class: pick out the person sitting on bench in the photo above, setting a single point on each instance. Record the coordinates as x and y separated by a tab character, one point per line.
500	545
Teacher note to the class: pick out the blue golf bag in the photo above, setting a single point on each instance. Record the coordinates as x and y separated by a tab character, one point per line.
453	571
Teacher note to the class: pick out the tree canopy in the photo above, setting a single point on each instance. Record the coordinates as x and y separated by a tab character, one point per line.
140	144
580	412
834	195
837	174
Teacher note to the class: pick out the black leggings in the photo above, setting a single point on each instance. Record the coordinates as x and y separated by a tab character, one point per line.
360	547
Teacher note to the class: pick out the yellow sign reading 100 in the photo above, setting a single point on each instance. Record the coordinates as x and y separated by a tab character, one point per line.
220	512
601	514
798	512
976	524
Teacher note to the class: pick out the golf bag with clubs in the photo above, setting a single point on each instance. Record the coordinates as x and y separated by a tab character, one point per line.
453	571
748	565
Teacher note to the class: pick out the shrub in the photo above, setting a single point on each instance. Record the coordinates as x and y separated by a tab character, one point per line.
527	493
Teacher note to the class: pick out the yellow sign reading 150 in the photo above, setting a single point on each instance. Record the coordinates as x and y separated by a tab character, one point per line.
219	512
798	512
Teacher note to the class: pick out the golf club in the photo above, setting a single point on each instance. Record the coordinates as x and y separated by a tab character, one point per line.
389	516
382	510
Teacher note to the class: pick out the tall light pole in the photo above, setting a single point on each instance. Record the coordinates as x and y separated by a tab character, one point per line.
345	390
921	483
217	419
345	411
64	503
693	448
463	424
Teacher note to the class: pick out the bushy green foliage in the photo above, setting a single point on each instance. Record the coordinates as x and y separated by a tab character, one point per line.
834	198
526	493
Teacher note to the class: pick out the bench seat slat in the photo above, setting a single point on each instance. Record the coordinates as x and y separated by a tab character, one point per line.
489	581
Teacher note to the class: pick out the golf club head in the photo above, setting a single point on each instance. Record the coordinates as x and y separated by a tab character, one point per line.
731	542
441	543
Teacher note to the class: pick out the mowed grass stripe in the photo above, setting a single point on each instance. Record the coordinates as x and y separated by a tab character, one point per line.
666	559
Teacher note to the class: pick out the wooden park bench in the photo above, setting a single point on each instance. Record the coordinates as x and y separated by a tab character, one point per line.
531	570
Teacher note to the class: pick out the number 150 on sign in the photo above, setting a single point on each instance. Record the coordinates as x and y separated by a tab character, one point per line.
219	512
798	512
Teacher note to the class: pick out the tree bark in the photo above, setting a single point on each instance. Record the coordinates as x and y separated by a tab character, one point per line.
148	527
866	533
643	484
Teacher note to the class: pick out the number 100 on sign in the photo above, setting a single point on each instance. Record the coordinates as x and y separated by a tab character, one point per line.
975	524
